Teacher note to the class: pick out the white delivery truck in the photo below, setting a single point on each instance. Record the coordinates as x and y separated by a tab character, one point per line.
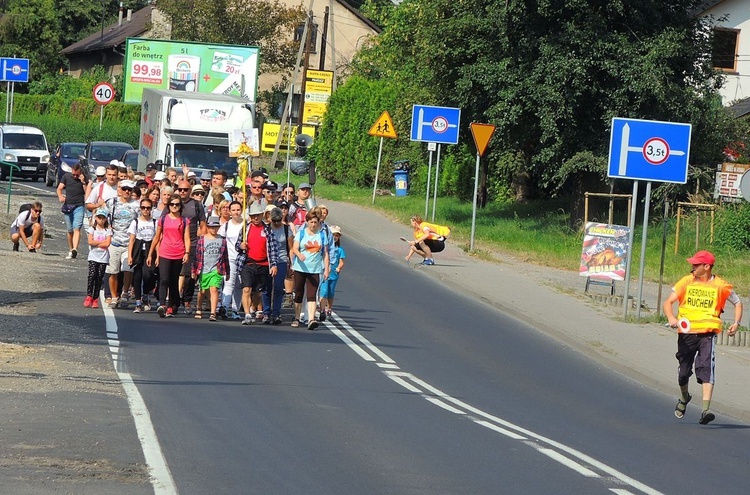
182	127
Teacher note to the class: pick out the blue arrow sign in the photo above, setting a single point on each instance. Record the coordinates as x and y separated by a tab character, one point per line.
435	124
14	69
649	150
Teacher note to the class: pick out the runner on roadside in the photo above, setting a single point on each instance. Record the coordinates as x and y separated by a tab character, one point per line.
701	297
172	243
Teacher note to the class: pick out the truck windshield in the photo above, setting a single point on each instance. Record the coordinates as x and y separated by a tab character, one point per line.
205	156
24	142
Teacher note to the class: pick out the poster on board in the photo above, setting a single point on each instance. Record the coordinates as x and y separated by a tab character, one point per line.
605	251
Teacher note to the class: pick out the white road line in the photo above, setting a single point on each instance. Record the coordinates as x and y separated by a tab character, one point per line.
345	338
161	476
15	183
620	492
443	400
388	366
553	454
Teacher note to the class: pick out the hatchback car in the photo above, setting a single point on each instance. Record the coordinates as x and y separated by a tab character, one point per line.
63	158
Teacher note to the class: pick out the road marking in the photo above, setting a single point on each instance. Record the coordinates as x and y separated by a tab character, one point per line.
32	187
584	464
160	475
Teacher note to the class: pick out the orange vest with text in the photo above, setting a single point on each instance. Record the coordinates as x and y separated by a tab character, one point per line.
701	303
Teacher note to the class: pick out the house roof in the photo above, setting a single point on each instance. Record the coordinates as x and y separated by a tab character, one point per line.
740	108
354	10
113	35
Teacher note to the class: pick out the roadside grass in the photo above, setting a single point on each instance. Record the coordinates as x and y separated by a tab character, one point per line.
538	232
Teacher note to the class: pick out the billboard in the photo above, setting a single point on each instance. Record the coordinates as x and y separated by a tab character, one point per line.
185	66
605	251
318	88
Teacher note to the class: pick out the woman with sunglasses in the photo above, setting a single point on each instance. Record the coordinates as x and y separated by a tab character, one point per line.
172	243
142	231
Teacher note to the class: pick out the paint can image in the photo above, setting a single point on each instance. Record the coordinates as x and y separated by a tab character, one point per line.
184	71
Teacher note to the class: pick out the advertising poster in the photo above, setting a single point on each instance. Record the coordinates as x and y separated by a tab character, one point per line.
605	251
318	88
728	180
271	134
244	142
195	67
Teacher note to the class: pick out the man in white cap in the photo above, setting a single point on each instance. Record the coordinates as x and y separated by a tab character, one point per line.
122	211
257	260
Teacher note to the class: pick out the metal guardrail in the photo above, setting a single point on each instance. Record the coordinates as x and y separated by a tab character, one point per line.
12	167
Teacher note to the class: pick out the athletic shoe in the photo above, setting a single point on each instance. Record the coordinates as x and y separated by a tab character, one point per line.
222	312
328	313
146	307
113	302
188	310
249	320
122	303
322	315
428	262
266	319
69	256
312	325
236	315
259	315
288	301
87	302
706	417
138	308
95	303
74	253
277	320
170	312
161	311
15	246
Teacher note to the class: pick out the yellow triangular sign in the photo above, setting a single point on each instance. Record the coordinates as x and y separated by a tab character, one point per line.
482	133
383	127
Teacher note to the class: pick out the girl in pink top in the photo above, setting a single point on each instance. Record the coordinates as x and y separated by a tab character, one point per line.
172	243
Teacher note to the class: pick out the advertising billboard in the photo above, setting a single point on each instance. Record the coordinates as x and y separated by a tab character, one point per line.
186	66
318	88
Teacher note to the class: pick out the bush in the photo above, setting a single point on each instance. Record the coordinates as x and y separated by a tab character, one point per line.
732	229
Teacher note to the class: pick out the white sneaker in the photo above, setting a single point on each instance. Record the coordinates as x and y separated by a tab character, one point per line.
69	256
113	303
249	320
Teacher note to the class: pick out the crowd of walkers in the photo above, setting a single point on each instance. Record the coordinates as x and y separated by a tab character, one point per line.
155	239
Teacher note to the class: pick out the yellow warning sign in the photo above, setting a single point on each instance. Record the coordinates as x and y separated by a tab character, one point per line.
383	127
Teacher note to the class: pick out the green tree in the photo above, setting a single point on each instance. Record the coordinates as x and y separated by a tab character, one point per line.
30	29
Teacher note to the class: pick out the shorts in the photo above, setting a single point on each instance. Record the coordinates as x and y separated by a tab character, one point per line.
435	245
118	260
255	276
74	219
210	279
698	349
328	288
29	231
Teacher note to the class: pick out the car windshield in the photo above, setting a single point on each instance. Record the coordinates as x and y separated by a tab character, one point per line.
108	152
72	150
131	160
23	142
206	157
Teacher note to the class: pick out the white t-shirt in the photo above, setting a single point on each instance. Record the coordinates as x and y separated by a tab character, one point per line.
105	190
143	229
100	255
23	220
231	232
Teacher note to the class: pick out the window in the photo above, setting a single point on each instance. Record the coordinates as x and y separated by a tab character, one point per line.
724	55
313	36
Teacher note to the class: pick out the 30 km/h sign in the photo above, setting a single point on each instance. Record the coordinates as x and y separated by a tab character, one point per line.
649	150
104	93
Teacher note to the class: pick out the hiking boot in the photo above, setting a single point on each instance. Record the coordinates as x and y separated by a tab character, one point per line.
15	246
312	325
222	312
706	417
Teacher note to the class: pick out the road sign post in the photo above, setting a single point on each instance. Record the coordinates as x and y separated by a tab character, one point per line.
382	128
103	93
12	70
652	151
482	133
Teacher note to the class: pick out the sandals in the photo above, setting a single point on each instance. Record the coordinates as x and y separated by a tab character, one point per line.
679	409
212	317
198	314
312	325
295	323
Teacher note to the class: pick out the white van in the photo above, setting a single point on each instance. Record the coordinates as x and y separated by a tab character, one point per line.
26	147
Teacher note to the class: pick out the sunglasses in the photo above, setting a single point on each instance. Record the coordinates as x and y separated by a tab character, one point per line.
146	207
199	193
126	188
37	211
183	189
176	205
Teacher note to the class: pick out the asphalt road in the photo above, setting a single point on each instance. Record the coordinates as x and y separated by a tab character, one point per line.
450	396
411	389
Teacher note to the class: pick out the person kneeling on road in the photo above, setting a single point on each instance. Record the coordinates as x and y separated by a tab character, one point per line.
426	241
28	227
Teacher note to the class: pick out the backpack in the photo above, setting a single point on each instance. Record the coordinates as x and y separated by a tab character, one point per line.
299	216
24	207
443	231
183	225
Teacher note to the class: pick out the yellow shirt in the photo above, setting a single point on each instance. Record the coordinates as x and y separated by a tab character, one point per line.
701	303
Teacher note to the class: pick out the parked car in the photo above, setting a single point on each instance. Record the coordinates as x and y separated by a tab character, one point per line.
102	152
25	147
63	158
130	159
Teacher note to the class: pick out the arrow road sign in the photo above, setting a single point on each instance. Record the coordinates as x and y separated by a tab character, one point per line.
435	124
14	69
649	150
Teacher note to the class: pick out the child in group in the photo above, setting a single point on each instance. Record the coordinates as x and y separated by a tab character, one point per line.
211	266
328	286
100	236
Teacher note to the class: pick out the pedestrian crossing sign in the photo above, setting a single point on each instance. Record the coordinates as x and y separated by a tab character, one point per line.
383	127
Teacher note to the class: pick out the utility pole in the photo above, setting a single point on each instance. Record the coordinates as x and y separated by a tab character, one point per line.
304	71
323	41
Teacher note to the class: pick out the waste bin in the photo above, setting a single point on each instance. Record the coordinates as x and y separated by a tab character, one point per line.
401	176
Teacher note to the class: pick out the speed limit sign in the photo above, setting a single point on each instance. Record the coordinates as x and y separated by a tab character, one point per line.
104	93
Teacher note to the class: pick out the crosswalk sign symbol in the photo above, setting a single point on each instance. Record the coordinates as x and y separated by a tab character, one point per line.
383	127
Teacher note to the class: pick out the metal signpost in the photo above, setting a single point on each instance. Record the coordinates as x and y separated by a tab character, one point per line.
104	94
652	151
12	70
482	133
431	147
435	125
382	128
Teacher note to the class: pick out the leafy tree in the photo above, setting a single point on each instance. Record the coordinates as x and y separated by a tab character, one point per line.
30	29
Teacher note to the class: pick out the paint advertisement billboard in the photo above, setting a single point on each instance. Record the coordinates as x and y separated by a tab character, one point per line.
189	66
